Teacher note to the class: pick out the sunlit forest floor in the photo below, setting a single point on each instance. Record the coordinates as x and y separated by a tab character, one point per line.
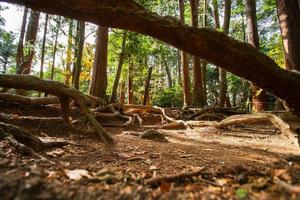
249	162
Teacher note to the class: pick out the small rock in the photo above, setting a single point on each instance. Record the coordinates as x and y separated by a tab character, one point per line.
153	135
242	179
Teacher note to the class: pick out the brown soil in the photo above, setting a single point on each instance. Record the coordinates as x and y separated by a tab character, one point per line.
238	164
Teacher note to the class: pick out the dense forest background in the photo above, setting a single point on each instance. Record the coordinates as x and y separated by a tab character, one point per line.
141	58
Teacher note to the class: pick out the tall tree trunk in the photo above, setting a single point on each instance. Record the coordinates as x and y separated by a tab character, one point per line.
99	77
58	23
122	93
169	76
258	95
179	79
69	54
43	46
30	38
222	72
130	84
79	54
198	81
289	20
204	63
76	46
20	49
147	87
113	97
185	65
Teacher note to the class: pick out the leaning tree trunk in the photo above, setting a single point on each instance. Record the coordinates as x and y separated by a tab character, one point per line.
99	77
113	97
185	65
79	54
20	48
289	20
198	81
30	38
215	47
258	95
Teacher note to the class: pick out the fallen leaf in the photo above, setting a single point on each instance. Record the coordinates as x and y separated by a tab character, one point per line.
165	186
77	174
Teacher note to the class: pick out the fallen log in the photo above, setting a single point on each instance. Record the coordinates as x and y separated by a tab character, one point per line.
65	95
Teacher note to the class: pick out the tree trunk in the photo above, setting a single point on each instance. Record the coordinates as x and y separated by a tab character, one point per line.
215	47
169	76
289	20
204	63
258	95
99	77
69	54
130	84
122	93
20	49
198	81
185	65
147	87
113	97
222	72
79	54
55	47
43	46
30	38
179	79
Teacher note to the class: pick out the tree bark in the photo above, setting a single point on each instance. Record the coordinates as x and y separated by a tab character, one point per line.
198	81
113	97
187	100
30	38
69	54
99	77
58	23
20	49
79	54
169	76
122	93
130	84
258	95
147	87
43	46
289	20
215	47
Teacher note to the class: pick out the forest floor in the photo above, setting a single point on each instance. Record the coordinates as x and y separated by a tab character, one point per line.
252	162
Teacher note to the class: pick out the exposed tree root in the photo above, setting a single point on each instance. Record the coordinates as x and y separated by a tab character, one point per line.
28	101
171	178
284	128
174	126
64	94
224	111
28	139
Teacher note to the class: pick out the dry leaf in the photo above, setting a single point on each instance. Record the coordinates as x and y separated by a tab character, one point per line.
165	186
77	174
